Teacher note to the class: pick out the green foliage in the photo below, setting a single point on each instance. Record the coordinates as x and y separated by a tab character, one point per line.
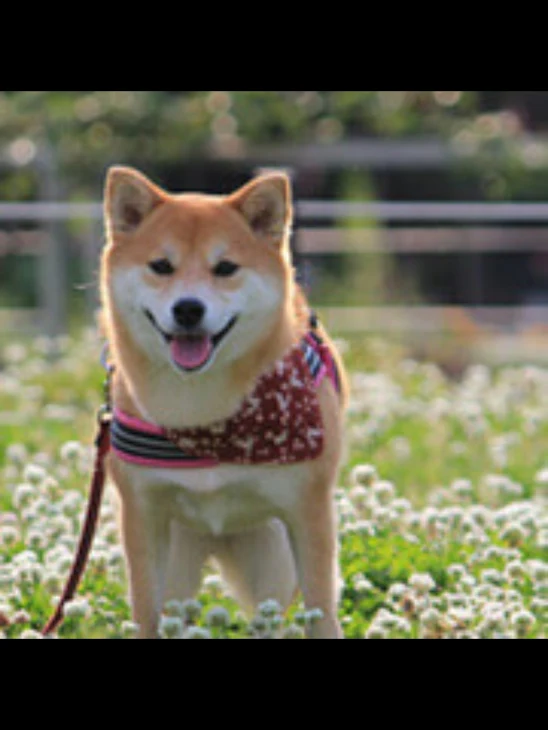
90	129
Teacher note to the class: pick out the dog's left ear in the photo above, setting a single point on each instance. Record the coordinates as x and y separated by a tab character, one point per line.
266	204
130	198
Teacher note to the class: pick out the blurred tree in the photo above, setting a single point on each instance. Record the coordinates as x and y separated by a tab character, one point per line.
89	129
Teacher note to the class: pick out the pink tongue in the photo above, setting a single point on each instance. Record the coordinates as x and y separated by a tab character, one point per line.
191	353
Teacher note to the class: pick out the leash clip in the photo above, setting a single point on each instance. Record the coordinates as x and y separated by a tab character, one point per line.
104	415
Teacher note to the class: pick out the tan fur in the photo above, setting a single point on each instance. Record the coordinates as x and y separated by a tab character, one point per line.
282	531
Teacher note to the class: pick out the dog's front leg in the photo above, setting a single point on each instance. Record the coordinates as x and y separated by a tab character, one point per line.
315	545
146	536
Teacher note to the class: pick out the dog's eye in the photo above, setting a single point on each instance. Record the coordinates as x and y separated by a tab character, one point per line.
162	267
225	269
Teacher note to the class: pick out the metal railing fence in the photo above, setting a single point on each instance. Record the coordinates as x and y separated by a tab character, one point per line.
422	228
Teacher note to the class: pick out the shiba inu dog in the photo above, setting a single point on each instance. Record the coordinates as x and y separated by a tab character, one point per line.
228	396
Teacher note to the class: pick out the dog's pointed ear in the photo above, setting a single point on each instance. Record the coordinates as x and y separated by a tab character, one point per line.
130	198
266	204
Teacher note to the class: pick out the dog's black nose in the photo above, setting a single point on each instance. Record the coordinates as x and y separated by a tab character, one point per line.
189	313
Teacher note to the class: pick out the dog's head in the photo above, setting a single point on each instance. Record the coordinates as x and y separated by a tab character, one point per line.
196	280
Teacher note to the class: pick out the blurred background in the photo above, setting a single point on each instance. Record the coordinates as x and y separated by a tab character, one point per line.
421	215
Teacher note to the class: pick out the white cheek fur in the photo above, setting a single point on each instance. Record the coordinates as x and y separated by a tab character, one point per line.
257	303
132	296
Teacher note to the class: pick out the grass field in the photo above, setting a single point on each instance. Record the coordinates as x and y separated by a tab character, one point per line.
443	504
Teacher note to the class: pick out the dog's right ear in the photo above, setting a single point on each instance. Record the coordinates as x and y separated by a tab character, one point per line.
130	198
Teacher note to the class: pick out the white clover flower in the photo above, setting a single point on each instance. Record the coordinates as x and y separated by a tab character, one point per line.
194	633
192	610
493	553
542	478
23	495
493	577
129	630
359	496
494	619
396	592
384	492
515	570
9	536
376	633
346	509
314	616
539	606
457	571
171	627
30	635
29	574
218	618
53	581
60	526
481	515
269	609
403	626
293	633
213	584
362	585
513	534
523	622
21	618
5	615
7	577
431	619
457	600
116	556
364	475
467	583
430	517
463	618
538	571
363	527
34	474
402	506
386	619
17	454
99	558
411	539
26	557
422	583
401	448
58	557
77	609
50	488
71	451
15	353
36	539
71	504
260	625
462	488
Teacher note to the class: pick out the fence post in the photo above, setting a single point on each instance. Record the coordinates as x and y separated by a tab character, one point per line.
53	274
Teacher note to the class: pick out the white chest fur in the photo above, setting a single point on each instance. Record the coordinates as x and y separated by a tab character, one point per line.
225	500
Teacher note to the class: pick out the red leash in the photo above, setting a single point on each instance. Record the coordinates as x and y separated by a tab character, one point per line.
92	517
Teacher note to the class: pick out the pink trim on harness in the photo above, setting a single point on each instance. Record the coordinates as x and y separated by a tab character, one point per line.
137	424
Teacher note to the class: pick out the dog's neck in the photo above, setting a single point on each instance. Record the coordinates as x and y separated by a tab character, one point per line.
163	396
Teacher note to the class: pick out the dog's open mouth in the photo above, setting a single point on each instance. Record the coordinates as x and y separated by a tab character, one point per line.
192	352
